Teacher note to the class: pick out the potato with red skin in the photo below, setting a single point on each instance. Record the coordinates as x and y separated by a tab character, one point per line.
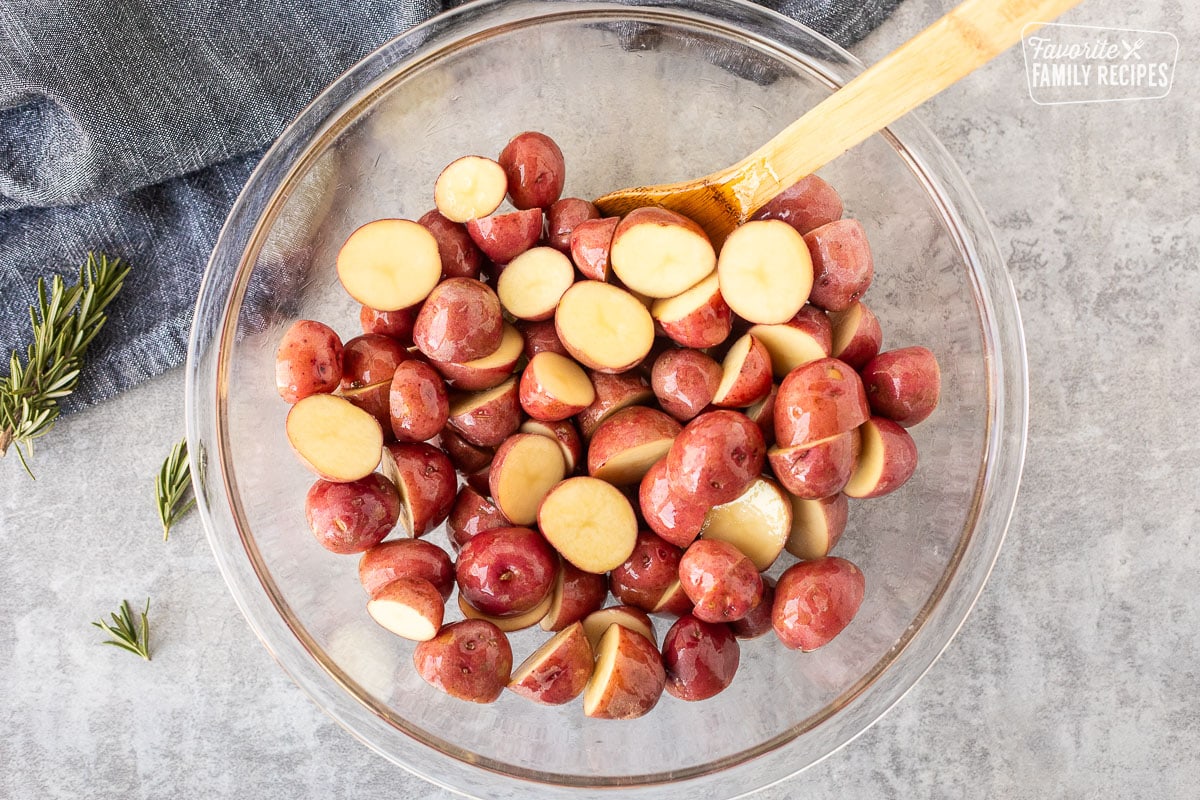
762	414
470	660
417	402
699	317
460	257
369	359
677	517
466	457
700	658
720	580
334	438
503	237
575	595
745	374
308	361
396	324
805	337
816	470
562	218
503	572
614	392
554	388
533	164
487	418
489	371
857	335
684	381
819	400
471	515
541	337
352	517
817	525
628	679
411	608
648	572
842	264
657	252
634	619
426	481
406	558
591	241
558	671
815	601
903	385
758	621
375	399
716	457
887	459
565	433
628	443
807	204
461	320
674	601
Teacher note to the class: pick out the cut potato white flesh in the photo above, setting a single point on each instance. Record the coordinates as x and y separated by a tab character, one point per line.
470	187
533	283
516	622
765	271
789	346
604	327
335	438
411	608
589	522
526	467
559	378
630	465
757	523
659	253
389	264
596	623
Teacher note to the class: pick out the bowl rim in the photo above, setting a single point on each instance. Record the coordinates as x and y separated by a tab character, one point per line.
994	293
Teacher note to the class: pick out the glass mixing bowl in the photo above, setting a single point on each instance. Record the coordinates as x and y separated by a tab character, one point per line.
634	93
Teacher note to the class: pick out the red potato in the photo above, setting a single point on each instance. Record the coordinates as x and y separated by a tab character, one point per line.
628	679
745	374
369	359
698	317
805	337
470	660
757	523
589	522
563	432
887	460
720	580
525	469
466	457
352	517
406	558
817	525
506	571
716	457
575	595
815	601
819	400
614	392
516	622
426	481
389	264
903	385
816	470
411	608
469	187
534	166
765	271
490	370
762	414
309	361
397	324
591	241
487	418
471	515
807	204
461	320
700	658
554	388
628	443
460	257
503	237
841	262
541	337
674	601
643	578
479	481
562	218
334	438
684	381
417	402
558	671
633	619
659	253
857	335
675	516
375	400
532	283
603	327
758	621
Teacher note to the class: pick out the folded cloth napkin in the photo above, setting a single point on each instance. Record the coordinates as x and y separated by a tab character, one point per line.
129	126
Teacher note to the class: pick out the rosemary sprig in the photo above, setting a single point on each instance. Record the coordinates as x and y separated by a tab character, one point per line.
125	635
173	484
65	321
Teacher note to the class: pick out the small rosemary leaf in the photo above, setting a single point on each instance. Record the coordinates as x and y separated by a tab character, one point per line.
173	486
125	633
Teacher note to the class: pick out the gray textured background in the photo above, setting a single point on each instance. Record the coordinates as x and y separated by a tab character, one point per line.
1076	676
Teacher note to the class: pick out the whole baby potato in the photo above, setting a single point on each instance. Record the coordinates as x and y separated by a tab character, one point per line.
461	320
807	204
700	658
815	601
535	169
352	517
308	361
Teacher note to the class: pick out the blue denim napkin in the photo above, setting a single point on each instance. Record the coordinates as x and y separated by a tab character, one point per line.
129	126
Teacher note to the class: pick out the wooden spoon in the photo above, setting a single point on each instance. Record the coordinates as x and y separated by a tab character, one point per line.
966	38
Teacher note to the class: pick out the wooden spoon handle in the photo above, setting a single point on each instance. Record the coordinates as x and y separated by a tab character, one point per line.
967	37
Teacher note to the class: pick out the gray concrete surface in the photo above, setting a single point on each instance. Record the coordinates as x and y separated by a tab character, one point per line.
1077	675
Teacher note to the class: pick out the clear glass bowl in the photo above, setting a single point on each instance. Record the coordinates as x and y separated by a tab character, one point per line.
634	94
